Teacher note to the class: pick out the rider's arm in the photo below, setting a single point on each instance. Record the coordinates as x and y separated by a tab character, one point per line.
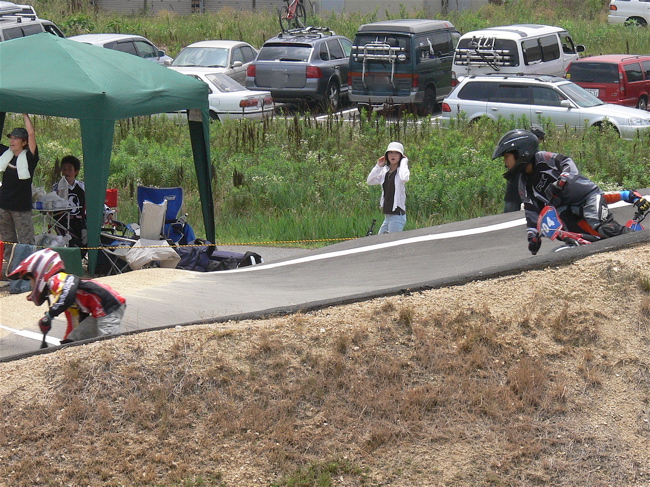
567	167
65	295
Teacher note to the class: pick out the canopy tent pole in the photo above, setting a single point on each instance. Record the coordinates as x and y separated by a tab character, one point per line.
97	143
199	123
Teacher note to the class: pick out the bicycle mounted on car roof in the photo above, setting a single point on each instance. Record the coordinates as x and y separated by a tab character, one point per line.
292	15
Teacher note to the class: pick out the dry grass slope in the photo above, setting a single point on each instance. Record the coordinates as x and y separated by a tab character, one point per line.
542	378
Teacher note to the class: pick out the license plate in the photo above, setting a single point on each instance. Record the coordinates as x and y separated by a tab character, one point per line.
592	91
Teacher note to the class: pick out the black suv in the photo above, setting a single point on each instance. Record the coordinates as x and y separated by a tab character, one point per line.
303	66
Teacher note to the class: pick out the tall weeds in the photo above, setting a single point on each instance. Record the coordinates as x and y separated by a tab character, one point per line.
296	179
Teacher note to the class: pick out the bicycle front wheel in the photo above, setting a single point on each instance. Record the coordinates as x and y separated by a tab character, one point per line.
285	22
301	16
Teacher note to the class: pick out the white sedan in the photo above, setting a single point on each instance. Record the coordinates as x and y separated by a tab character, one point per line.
228	57
229	99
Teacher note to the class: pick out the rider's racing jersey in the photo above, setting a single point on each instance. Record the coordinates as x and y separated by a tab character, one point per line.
547	168
79	298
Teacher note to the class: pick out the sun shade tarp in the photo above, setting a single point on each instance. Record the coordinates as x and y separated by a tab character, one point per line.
47	75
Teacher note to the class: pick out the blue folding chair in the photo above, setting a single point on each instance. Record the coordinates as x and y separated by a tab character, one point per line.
176	228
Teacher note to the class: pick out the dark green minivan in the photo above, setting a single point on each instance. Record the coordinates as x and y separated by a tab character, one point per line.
402	62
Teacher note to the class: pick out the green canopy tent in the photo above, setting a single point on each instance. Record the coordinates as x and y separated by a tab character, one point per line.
47	75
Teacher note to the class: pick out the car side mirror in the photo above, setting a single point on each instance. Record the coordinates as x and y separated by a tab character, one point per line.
167	62
580	48
237	64
566	104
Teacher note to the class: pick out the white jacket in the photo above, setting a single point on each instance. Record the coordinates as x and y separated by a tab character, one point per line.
378	174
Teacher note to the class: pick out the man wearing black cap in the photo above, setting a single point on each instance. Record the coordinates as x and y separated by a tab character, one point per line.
17	164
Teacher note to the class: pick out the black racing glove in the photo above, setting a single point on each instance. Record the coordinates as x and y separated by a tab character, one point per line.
642	204
45	324
534	242
634	197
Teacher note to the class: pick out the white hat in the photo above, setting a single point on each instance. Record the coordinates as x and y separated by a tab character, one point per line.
397	147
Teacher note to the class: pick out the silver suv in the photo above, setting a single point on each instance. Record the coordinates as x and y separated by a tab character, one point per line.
21	21
309	65
538	99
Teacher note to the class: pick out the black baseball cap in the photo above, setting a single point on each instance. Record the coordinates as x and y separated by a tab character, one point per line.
20	132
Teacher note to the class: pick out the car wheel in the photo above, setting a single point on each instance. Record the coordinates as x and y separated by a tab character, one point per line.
636	21
643	103
214	117
333	97
606	127
428	103
365	110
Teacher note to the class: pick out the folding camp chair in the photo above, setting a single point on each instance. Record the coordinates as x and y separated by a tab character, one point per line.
145	247
152	248
175	227
113	249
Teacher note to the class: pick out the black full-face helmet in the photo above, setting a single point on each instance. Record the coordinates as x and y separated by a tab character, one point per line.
523	143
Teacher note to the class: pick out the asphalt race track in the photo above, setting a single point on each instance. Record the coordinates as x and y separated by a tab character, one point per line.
351	271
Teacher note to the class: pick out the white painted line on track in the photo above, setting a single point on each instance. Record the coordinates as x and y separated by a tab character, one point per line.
396	243
33	335
385	245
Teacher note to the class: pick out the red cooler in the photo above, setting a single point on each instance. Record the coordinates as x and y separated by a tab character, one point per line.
111	198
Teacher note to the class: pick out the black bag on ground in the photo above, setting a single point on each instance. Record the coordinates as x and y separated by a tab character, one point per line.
233	260
206	258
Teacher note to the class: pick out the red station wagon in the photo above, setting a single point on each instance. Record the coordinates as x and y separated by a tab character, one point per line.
623	79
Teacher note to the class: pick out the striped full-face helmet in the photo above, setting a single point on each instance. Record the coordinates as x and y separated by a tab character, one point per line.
39	268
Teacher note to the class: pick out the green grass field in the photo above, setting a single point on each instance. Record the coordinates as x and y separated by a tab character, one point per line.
297	180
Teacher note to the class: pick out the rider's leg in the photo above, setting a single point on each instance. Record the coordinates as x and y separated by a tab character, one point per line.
596	213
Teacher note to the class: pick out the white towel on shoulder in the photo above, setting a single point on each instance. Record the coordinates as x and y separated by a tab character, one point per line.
21	163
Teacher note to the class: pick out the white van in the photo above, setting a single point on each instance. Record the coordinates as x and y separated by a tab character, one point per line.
518	49
21	20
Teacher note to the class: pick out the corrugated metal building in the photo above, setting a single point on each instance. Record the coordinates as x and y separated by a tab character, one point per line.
431	7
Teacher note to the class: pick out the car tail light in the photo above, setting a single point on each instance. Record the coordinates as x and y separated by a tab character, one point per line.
621	82
268	100
415	81
249	102
446	108
314	72
613	7
349	79
454	79
250	70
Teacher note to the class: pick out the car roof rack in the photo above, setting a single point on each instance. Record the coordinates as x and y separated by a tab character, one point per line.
17	12
544	78
308	31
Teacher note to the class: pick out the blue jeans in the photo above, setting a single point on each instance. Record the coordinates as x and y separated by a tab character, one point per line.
393	223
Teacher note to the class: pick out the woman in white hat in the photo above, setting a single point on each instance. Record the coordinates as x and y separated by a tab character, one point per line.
392	172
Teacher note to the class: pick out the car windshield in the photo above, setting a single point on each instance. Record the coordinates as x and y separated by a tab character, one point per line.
586	72
285	52
224	83
579	95
209	57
